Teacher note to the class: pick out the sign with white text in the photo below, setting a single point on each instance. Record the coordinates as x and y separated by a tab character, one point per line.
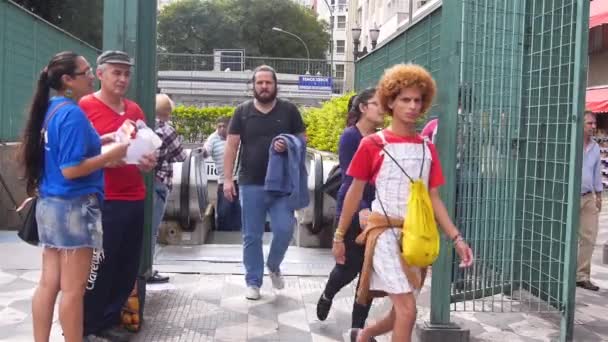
309	82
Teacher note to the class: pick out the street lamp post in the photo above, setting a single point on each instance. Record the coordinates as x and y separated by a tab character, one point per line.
331	38
300	39
356	34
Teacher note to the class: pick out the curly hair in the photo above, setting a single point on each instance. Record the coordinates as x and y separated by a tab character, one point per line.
402	76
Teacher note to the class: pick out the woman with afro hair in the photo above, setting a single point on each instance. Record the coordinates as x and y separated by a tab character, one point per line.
387	160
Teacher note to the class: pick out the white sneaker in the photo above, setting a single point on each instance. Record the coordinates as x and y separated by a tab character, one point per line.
277	280
253	293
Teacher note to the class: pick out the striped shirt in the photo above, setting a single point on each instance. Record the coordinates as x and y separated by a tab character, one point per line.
171	151
215	146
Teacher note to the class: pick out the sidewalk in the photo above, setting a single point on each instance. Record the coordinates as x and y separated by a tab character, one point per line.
210	306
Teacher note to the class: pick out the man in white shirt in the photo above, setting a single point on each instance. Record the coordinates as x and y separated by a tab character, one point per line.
228	214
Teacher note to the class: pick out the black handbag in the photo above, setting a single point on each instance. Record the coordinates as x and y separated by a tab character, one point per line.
29	229
333	182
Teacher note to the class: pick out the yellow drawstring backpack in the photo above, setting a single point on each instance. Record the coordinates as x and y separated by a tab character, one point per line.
420	241
420	236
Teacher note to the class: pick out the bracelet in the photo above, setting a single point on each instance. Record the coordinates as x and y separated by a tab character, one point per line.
456	237
338	236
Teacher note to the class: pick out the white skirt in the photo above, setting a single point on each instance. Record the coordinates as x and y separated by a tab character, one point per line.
387	274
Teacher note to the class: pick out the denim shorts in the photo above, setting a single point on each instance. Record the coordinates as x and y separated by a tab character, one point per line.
69	223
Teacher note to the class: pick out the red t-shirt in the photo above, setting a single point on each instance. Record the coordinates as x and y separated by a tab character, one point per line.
368	159
121	183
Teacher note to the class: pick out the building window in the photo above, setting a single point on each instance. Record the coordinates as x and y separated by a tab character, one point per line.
340	46
342	22
339	71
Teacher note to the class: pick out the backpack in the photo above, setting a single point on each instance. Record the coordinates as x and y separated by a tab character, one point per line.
419	242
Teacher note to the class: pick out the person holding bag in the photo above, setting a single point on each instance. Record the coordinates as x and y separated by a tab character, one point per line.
397	161
62	161
365	116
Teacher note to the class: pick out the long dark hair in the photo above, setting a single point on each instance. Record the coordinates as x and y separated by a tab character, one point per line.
31	154
354	112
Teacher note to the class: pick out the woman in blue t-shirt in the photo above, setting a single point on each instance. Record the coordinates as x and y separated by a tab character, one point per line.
62	159
364	117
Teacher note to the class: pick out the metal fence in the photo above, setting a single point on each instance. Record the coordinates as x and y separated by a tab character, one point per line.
211	62
27	43
511	83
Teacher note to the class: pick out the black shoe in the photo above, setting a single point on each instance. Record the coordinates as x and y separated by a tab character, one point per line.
354	333
116	334
587	285
156	278
323	306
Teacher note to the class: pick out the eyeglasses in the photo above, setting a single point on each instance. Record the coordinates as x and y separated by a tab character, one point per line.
87	72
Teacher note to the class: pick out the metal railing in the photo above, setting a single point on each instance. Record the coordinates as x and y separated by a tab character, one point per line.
210	62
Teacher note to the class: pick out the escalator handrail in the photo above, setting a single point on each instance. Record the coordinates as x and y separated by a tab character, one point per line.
184	194
317	218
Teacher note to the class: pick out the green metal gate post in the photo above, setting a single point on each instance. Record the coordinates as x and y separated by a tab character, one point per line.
574	176
131	26
440	328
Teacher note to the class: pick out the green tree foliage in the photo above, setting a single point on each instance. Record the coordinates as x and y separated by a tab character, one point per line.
199	26
83	19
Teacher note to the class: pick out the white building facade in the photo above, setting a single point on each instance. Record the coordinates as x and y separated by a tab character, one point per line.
389	16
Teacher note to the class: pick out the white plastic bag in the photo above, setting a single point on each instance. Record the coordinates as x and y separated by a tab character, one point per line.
146	141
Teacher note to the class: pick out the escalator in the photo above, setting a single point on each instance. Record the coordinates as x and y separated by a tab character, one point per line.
189	217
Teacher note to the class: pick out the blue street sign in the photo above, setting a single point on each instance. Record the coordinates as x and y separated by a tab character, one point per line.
309	82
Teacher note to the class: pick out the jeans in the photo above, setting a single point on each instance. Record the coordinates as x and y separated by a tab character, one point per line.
69	223
255	203
228	214
161	192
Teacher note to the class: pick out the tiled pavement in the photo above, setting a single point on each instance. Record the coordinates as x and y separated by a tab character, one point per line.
211	307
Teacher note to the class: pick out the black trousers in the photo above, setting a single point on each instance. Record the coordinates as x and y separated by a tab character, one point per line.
342	275
228	213
112	278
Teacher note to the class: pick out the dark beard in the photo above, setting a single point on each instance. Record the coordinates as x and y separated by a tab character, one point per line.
265	100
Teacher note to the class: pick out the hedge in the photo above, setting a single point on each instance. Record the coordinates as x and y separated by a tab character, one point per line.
195	124
323	125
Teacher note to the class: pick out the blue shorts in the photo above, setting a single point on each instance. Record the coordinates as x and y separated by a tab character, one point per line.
69	223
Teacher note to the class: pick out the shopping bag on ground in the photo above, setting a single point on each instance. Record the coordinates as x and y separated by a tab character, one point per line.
132	311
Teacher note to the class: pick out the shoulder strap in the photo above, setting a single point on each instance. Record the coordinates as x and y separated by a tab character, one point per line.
381	135
50	116
425	142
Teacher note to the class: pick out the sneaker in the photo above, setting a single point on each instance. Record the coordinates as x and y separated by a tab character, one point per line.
253	293
157	278
277	280
323	306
